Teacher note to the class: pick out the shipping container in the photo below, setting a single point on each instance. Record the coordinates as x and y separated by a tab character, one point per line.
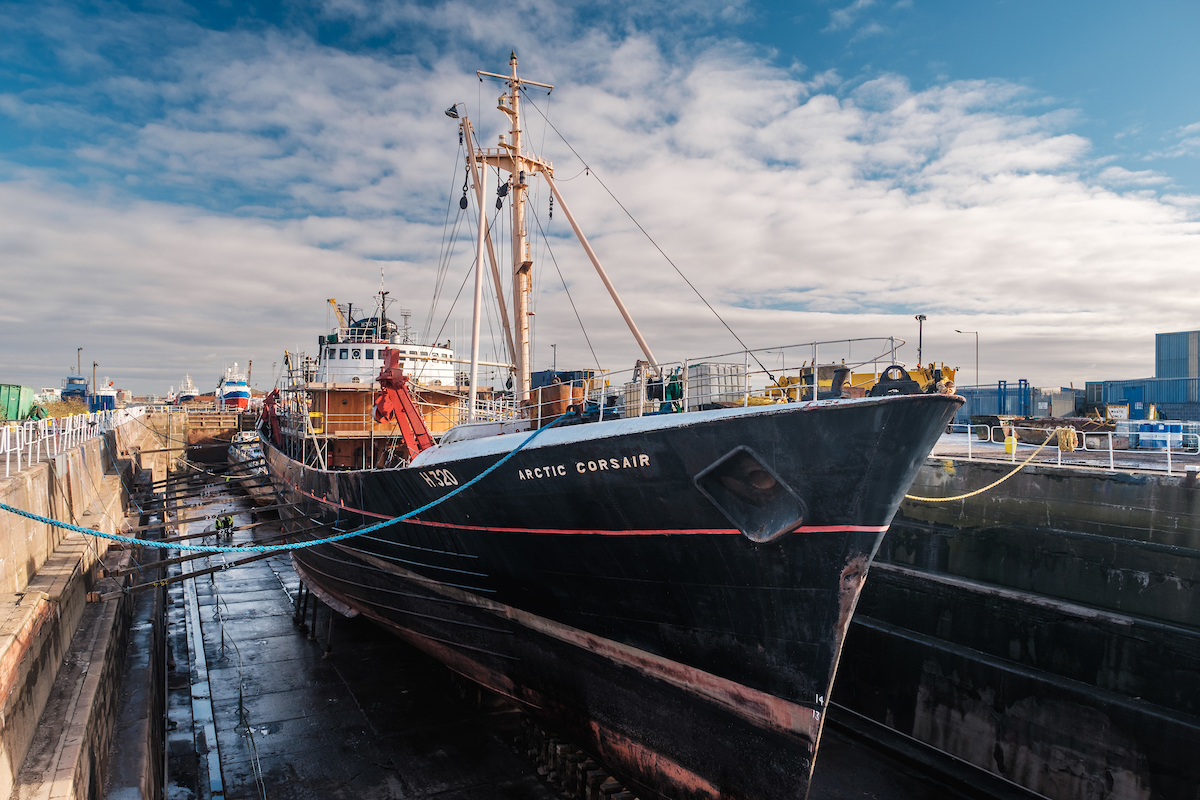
16	402
102	402
1012	398
547	377
1055	403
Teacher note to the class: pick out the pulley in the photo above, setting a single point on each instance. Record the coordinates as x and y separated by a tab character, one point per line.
551	206
502	189
463	202
499	203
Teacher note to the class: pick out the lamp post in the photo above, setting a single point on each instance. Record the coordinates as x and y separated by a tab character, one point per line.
94	401
920	331
956	330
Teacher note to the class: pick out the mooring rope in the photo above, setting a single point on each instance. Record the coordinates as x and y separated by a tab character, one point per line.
294	545
1016	469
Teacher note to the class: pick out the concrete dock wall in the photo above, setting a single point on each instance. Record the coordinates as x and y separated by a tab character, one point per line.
45	574
1047	631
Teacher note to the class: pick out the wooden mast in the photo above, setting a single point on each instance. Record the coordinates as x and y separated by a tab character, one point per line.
511	157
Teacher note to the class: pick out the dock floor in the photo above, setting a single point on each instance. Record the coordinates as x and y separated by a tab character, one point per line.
374	718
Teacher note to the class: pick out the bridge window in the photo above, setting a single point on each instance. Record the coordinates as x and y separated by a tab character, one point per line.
370	355
345	353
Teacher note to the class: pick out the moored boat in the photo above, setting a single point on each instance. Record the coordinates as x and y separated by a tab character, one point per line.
233	390
187	391
665	564
246	460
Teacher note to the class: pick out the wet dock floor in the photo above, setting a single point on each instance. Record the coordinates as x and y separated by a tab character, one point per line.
373	718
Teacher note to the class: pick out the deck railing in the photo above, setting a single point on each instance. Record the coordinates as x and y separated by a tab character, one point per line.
31	441
1167	452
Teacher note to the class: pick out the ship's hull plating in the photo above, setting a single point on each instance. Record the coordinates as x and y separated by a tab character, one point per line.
627	606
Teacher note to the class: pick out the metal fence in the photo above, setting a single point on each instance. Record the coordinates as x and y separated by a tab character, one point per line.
30	441
1111	449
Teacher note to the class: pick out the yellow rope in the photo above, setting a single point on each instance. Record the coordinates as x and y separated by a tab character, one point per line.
1017	469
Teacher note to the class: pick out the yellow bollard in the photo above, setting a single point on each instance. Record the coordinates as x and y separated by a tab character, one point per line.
1010	444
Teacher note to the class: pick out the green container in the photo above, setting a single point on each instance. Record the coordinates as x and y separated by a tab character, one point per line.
15	401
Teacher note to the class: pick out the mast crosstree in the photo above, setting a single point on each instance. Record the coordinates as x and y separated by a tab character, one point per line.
511	156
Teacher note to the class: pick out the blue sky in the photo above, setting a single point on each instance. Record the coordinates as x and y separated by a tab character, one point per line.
1121	68
182	185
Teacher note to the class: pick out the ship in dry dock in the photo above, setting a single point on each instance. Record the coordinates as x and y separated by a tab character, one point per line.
665	576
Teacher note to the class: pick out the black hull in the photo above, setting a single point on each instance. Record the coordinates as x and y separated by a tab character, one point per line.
639	609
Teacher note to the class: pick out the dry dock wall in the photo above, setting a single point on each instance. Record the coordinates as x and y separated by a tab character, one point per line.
1047	631
45	574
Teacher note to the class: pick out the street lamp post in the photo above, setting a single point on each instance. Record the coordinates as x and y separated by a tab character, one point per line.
920	331
956	330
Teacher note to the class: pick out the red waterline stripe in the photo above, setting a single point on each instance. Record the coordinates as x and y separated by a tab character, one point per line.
586	532
342	505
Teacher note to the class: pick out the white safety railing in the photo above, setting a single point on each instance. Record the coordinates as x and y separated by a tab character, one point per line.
1092	448
30	441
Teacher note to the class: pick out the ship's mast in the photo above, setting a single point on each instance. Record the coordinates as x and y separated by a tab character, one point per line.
521	261
511	157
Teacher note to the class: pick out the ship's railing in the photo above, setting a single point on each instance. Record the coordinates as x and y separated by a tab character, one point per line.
488	409
1168	451
433	372
31	441
790	373
766	376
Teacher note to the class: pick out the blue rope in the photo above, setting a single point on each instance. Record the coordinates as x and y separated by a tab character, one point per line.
273	548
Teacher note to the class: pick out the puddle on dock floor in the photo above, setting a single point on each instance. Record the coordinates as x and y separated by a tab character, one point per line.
375	718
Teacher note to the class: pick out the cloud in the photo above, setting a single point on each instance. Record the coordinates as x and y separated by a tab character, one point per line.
271	171
1118	176
842	18
1188	144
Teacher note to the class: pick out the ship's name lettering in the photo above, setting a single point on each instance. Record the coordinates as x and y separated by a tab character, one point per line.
439	477
584	467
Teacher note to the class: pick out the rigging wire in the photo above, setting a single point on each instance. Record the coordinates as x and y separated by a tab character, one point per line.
592	172
445	231
554	260
460	289
444	260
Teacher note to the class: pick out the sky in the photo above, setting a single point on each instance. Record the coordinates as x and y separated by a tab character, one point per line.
182	185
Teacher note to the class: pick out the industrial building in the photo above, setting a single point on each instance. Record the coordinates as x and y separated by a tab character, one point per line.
1019	399
1173	392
